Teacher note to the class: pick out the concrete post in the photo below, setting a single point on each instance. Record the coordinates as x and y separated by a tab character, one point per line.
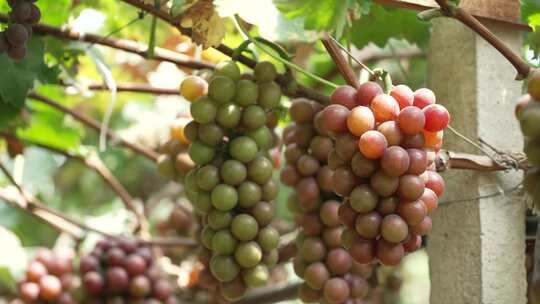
477	246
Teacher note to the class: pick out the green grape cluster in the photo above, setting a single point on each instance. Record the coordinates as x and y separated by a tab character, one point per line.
528	113
330	274
232	186
24	13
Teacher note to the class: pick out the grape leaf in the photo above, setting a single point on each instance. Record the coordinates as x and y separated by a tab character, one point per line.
8	115
319	15
382	24
47	126
208	28
20	75
530	13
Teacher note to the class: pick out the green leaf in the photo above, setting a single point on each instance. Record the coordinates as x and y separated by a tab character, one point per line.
7	281
382	24
19	76
8	115
47	126
12	255
529	8
318	15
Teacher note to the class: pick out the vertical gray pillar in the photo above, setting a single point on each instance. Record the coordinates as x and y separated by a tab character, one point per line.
476	248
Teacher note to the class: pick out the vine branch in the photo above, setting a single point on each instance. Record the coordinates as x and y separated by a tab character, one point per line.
522	67
130	87
62	222
94	124
343	66
301	91
129	46
94	163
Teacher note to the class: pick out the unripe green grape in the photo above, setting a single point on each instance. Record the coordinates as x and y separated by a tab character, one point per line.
190	182
224	268
207	177
270	191
233	291
249	194
221	89
248	254
203	110
262	136
260	170
299	266
223	242
165	166
202	202
265	71
224	197
256	276
263	212
246	93
191	131
271	258
229	115
268	238
200	153
269	95
210	134
207	234
253	117
218	219
233	172
243	149
529	119
228	69
244	227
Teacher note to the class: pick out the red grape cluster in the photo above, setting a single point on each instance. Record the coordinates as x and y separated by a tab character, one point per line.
49	278
117	271
325	266
383	162
232	186
13	40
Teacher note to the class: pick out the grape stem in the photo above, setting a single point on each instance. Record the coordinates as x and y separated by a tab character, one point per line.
522	67
343	66
94	124
271	295
278	58
34	207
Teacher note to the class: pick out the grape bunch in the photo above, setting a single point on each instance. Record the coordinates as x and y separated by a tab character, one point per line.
174	162
232	186
24	13
528	114
119	271
327	269
49	278
383	162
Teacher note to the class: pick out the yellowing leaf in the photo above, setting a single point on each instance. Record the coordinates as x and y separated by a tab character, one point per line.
208	28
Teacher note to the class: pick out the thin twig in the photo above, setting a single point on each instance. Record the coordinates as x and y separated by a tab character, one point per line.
272	295
522	67
471	142
94	124
94	162
129	46
345	69
494	194
131	87
37	208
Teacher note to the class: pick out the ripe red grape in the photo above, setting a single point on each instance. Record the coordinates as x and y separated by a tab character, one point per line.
385	108
403	95
437	117
372	144
367	91
411	120
423	97
344	95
